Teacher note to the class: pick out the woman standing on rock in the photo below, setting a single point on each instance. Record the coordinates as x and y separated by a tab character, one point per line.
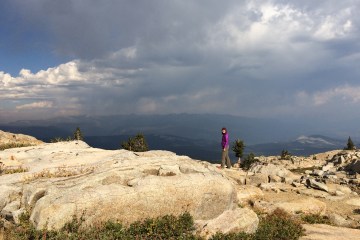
225	149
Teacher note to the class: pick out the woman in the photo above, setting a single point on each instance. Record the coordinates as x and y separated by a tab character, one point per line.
225	149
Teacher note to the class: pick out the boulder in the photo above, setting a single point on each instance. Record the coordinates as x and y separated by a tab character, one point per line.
257	179
230	221
274	178
329	166
316	185
317	172
338	220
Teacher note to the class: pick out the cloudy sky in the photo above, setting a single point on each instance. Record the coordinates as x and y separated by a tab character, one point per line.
256	58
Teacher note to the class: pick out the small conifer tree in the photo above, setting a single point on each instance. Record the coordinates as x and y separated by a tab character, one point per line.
238	148
78	134
285	155
350	145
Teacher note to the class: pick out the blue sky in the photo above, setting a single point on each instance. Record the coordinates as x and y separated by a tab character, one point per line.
269	58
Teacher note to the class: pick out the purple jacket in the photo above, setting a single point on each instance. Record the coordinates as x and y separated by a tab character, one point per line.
225	140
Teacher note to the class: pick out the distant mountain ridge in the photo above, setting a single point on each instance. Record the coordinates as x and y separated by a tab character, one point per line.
193	126
195	135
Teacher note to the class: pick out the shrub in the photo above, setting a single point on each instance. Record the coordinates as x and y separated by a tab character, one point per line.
14	145
60	139
232	236
12	170
315	219
285	155
248	161
279	225
167	227
136	144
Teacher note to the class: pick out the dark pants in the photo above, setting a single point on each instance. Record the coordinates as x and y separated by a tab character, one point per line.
225	157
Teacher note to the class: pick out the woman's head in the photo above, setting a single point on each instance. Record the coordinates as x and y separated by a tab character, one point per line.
224	130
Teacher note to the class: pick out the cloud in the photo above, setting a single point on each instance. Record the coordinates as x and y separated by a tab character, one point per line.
256	58
346	94
33	105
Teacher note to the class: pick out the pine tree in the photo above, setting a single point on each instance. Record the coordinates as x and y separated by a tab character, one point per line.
78	134
350	145
238	148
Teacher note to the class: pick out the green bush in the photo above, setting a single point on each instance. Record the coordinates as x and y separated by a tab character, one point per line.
279	225
136	144
285	155
166	227
248	161
315	219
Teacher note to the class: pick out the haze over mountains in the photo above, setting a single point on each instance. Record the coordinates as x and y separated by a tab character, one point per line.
195	135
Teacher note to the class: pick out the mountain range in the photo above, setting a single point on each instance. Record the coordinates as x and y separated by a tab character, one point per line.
195	135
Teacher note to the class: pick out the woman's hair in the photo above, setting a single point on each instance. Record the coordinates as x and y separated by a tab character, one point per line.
224	128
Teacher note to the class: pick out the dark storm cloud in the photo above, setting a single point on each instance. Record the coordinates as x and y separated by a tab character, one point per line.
251	57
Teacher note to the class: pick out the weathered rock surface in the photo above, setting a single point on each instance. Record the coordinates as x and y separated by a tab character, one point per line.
304	205
271	170
70	178
238	220
248	192
354	202
326	232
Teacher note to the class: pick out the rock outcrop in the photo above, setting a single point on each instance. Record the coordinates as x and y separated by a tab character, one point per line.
11	138
70	178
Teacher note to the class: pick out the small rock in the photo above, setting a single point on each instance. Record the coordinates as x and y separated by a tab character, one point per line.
317	172
339	193
339	220
316	185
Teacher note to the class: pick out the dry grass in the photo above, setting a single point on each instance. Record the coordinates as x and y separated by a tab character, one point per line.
12	170
14	145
